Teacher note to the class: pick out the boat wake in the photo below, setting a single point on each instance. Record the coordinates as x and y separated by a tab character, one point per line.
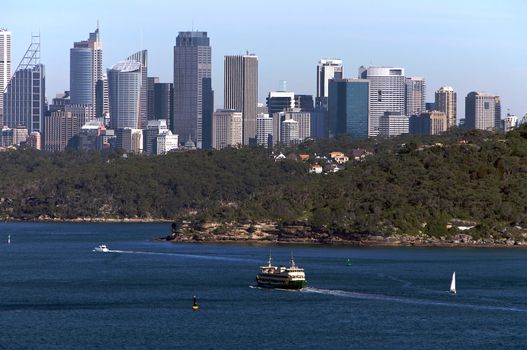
183	255
380	297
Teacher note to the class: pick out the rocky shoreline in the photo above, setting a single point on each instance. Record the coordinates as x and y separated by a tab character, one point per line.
272	233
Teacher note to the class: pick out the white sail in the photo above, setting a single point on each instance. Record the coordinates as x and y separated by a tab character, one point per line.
453	284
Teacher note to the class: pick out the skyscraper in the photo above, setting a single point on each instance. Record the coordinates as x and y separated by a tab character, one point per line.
124	85
24	97
85	69
279	101
387	92
241	91
264	130
327	69
482	111
349	108
446	101
5	66
192	64
415	89
142	57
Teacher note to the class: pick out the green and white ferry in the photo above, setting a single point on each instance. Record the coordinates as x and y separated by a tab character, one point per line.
292	277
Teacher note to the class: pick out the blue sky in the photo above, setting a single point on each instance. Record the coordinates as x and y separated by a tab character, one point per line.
469	44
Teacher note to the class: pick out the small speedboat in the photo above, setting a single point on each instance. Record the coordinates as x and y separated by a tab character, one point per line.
102	249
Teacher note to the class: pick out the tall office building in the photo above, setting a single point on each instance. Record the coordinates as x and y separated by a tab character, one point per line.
428	123
415	89
304	102
207	107
5	66
349	108
60	128
163	101
192	64
124	91
279	101
387	93
241	91
327	69
24	97
142	58
102	105
393	124
86	69
153	129
151	81
482	111
227	128
446	101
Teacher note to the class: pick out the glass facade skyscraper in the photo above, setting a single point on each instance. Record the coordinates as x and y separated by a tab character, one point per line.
192	65
124	85
85	70
349	107
24	97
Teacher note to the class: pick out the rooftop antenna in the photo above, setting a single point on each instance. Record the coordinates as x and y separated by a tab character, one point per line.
97	24
141	39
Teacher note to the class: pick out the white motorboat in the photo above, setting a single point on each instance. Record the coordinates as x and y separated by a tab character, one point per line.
102	249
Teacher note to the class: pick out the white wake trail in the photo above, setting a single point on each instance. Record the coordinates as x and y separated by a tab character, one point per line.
380	297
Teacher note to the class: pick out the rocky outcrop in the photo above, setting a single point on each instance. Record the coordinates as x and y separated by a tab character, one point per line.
271	232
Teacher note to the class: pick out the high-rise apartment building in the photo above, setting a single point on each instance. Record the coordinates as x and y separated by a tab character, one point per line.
24	96
349	108
124	91
415	90
482	111
327	69
5	66
86	70
227	128
264	130
241	91
446	101
289	132
302	126
192	64
387	93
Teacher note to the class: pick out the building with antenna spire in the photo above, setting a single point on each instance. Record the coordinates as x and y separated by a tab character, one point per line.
24	96
86	69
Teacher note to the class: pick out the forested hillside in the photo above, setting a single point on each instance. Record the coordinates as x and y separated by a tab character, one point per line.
409	185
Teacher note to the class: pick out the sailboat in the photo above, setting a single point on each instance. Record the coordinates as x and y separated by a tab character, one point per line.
453	284
9	239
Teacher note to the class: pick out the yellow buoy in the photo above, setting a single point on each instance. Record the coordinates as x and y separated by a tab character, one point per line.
195	306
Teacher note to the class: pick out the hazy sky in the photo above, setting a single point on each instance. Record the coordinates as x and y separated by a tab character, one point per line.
468	44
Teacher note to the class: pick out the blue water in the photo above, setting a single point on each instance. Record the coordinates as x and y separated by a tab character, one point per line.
56	293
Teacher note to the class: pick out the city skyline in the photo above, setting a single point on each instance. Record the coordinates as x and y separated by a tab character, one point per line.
413	44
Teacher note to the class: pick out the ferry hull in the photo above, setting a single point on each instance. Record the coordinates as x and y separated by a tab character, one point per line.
281	285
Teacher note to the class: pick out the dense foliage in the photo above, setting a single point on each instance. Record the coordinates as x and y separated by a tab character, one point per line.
409	185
